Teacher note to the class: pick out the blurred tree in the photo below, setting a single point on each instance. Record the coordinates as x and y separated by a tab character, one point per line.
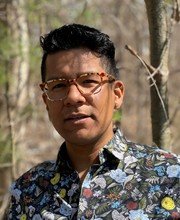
15	58
160	30
5	130
125	21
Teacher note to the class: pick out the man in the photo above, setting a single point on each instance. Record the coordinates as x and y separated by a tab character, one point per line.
98	174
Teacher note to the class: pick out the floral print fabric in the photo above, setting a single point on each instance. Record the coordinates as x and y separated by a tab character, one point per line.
131	182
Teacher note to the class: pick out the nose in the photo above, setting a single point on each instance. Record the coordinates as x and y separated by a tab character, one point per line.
74	96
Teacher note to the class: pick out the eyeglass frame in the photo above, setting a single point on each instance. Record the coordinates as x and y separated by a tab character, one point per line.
74	81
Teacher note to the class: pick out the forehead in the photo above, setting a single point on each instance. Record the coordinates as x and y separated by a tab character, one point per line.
71	62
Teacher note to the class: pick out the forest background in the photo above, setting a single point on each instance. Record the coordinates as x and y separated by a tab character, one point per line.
26	135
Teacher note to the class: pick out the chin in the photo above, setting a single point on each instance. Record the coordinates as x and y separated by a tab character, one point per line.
79	137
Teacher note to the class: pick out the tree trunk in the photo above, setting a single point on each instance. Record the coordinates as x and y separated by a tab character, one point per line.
16	90
20	60
159	51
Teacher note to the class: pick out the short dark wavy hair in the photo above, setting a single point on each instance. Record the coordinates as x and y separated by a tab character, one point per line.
74	36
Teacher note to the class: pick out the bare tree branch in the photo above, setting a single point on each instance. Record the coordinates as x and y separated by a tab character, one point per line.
176	11
151	72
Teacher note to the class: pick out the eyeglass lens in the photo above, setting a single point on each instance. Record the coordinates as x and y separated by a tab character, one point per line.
87	84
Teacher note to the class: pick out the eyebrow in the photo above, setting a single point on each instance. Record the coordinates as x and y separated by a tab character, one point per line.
54	78
75	75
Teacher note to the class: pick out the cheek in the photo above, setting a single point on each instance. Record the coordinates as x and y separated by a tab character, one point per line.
104	105
54	111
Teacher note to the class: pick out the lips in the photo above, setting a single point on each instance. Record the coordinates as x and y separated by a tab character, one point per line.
76	117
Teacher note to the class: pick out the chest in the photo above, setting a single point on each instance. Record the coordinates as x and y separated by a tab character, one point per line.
111	195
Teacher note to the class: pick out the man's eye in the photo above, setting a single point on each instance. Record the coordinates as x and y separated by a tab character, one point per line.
90	81
59	86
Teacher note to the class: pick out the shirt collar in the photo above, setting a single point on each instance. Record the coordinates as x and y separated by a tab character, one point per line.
117	146
63	158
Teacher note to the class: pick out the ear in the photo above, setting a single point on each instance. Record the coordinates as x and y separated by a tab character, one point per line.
119	94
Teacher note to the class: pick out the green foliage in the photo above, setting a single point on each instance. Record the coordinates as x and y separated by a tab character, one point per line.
4	52
5	149
5	45
7	50
27	111
169	2
117	116
90	16
2	75
34	59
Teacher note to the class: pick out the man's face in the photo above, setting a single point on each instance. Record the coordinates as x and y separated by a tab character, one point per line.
81	120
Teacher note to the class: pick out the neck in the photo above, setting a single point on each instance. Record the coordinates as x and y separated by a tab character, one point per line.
82	161
84	156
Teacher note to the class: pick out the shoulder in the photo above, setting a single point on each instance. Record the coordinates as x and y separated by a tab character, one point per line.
36	176
123	148
30	187
141	151
156	161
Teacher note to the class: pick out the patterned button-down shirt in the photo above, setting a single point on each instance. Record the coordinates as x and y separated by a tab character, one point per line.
131	181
